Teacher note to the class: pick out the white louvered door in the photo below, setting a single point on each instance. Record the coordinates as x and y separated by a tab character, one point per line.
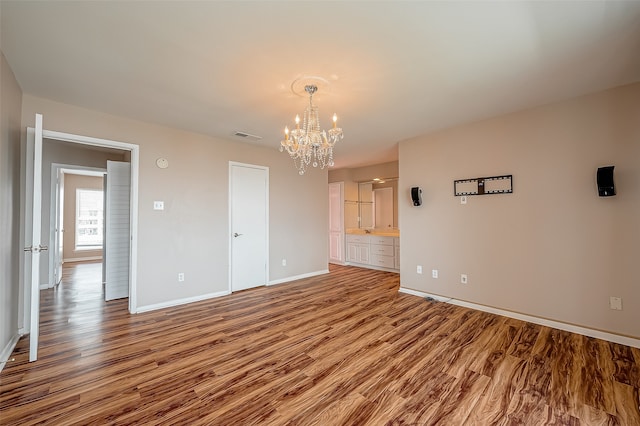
118	230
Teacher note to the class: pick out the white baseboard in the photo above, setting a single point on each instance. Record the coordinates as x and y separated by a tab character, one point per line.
184	301
8	350
598	334
377	268
298	277
47	285
179	302
81	259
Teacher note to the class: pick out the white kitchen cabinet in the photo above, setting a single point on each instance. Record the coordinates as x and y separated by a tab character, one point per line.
382	252
358	248
372	251
358	253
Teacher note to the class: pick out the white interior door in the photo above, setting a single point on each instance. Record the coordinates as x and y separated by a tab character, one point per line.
118	230
336	222
249	241
33	225
104	231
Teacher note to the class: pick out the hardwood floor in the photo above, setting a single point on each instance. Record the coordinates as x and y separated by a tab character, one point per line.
341	349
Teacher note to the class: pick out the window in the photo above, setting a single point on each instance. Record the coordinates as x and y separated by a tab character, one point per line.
89	219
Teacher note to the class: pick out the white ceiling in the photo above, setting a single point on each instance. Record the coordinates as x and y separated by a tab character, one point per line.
396	69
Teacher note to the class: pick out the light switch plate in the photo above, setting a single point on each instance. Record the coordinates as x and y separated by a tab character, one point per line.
158	205
615	303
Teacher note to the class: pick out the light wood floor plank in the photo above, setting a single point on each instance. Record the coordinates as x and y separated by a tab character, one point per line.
341	349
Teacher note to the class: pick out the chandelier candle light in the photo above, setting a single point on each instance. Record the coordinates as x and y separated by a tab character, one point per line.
309	145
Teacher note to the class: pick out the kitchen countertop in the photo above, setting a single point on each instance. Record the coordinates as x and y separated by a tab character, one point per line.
379	232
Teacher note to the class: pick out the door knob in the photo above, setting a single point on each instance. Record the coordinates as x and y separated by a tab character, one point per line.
37	249
235	234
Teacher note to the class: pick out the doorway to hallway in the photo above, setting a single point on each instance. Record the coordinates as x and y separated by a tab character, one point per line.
79	297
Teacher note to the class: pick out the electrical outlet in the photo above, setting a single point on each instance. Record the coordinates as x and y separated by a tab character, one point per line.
284	262
463	199
434	273
419	269
615	303
181	277
158	205
463	279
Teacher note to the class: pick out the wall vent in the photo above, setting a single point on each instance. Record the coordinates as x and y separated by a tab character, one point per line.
247	135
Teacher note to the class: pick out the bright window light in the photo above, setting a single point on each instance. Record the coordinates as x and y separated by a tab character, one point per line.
89	219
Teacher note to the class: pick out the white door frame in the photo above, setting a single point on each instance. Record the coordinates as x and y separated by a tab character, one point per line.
55	234
231	165
341	244
134	160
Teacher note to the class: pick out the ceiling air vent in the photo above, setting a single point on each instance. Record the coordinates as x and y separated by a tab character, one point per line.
247	135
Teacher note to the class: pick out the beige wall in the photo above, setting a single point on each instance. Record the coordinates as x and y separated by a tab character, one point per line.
366	173
351	177
553	248
10	106
70	154
192	234
383	170
71	184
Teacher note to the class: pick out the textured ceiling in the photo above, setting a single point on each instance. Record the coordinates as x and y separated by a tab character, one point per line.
396	70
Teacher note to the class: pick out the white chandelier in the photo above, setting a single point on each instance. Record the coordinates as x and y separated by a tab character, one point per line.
309	145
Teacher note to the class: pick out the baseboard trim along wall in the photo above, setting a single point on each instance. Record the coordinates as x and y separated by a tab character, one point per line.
81	259
8	350
610	337
179	302
184	301
298	277
377	268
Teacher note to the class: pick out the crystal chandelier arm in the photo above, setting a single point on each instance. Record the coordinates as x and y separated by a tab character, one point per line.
308	144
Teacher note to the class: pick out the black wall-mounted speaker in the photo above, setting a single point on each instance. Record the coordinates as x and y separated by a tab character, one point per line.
604	177
416	195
